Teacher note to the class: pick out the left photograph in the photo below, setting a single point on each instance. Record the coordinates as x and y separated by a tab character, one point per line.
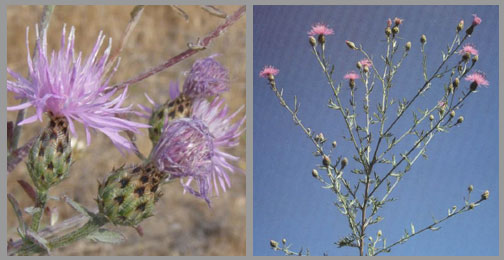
126	130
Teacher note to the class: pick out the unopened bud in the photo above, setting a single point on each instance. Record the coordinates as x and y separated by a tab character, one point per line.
460	26
359	65
284	241
314	173
456	82
351	45
407	46
344	162
452	113
485	195
472	205
366	69
379	233
388	31
313	42
431	117
423	39
334	144
470	188
450	88
326	161
460	120
475	58
273	243
395	30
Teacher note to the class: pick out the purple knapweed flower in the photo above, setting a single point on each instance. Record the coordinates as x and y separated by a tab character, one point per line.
476	20
207	78
366	63
70	86
192	149
477	78
320	29
469	48
351	76
398	21
267	71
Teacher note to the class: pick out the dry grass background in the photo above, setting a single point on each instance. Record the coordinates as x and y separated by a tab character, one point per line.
183	224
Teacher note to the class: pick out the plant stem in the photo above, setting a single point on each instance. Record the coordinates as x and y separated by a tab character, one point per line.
90	227
39	206
191	50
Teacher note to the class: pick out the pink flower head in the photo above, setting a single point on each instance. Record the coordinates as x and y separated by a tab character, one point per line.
192	149
320	29
68	85
398	21
366	63
185	149
442	104
468	48
389	22
267	71
478	78
476	20
351	76
207	78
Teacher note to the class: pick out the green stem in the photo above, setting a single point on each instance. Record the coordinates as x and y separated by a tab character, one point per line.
39	206
90	227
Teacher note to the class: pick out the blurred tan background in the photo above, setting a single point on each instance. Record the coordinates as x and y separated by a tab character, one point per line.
183	224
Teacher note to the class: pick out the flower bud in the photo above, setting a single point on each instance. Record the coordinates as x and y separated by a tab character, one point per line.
460	120
470	188
179	107
485	195
127	195
273	243
314	173
472	205
334	144
379	233
452	113
313	42
344	162
50	156
284	241
475	58
388	31
431	117
407	47
366	69
450	88
351	45
460	26
326	161
456	82
359	65
423	39
395	30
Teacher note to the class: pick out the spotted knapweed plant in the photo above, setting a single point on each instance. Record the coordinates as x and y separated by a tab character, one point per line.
190	133
378	165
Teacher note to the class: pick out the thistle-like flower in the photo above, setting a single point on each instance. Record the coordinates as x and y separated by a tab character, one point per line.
207	78
268	71
351	76
476	79
192	148
73	88
468	48
320	29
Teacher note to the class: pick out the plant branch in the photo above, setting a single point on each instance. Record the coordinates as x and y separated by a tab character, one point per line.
191	50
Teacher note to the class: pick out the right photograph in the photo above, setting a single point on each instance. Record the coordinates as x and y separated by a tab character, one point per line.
376	130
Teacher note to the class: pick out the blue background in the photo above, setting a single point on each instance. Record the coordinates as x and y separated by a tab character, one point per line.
288	201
